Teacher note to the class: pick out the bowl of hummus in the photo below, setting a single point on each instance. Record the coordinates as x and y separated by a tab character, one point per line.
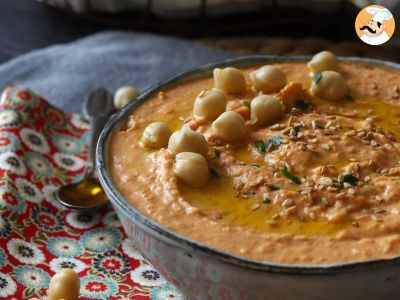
264	177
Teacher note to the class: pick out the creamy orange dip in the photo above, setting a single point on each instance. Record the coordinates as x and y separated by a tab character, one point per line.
327	190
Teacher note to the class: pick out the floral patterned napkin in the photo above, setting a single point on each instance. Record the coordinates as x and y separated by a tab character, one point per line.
42	148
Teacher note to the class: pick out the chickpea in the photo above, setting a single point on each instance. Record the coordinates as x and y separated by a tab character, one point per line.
265	109
323	61
156	135
230	126
124	95
187	140
209	104
268	79
331	86
191	169
230	80
64	285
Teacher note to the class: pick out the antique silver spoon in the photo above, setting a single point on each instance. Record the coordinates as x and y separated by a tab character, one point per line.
88	194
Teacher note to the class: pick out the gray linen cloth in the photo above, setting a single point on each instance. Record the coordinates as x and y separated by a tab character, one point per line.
65	74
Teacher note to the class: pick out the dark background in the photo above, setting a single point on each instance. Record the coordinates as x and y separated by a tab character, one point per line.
26	25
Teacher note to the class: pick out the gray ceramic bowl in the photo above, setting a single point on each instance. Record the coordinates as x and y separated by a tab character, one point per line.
203	272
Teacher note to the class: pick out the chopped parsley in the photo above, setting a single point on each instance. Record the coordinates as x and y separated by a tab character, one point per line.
301	105
255	165
214	173
260	145
274	141
267	201
296	129
317	77
350	98
285	172
215	152
246	104
274	187
350	179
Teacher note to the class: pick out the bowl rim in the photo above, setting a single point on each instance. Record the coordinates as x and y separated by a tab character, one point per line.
189	244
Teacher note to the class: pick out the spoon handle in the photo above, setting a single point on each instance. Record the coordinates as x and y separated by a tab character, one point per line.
98	107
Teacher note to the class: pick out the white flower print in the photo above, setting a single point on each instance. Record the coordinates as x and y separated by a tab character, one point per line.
79	122
25	252
64	247
49	194
165	292
9	161
34	140
130	250
69	162
28	190
9	117
7	286
57	264
32	277
111	219
83	220
146	275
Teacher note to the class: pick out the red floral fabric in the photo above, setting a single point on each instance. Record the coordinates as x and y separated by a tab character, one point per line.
42	148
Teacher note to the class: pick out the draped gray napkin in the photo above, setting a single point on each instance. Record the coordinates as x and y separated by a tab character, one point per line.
65	74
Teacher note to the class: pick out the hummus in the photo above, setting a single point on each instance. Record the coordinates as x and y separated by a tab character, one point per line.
325	189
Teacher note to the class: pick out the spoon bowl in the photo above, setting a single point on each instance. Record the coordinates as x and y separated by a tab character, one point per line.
88	194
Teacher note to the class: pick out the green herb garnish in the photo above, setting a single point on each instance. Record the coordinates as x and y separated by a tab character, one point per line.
260	145
267	201
317	77
274	141
285	172
249	194
246	104
274	187
296	129
254	165
350	98
301	105
214	173
350	179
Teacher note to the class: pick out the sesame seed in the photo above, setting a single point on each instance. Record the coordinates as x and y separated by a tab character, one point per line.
370	119
328	124
313	124
276	126
351	191
325	147
341	195
374	143
361	134
290	209
325	201
332	189
313	141
181	118
312	215
350	133
367	178
255	206
271	222
287	202
311	147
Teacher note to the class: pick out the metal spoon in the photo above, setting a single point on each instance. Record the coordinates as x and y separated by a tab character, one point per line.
88	193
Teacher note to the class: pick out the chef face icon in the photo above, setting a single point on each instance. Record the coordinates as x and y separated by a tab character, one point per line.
375	25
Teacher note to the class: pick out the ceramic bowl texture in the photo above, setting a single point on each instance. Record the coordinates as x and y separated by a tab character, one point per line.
203	272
